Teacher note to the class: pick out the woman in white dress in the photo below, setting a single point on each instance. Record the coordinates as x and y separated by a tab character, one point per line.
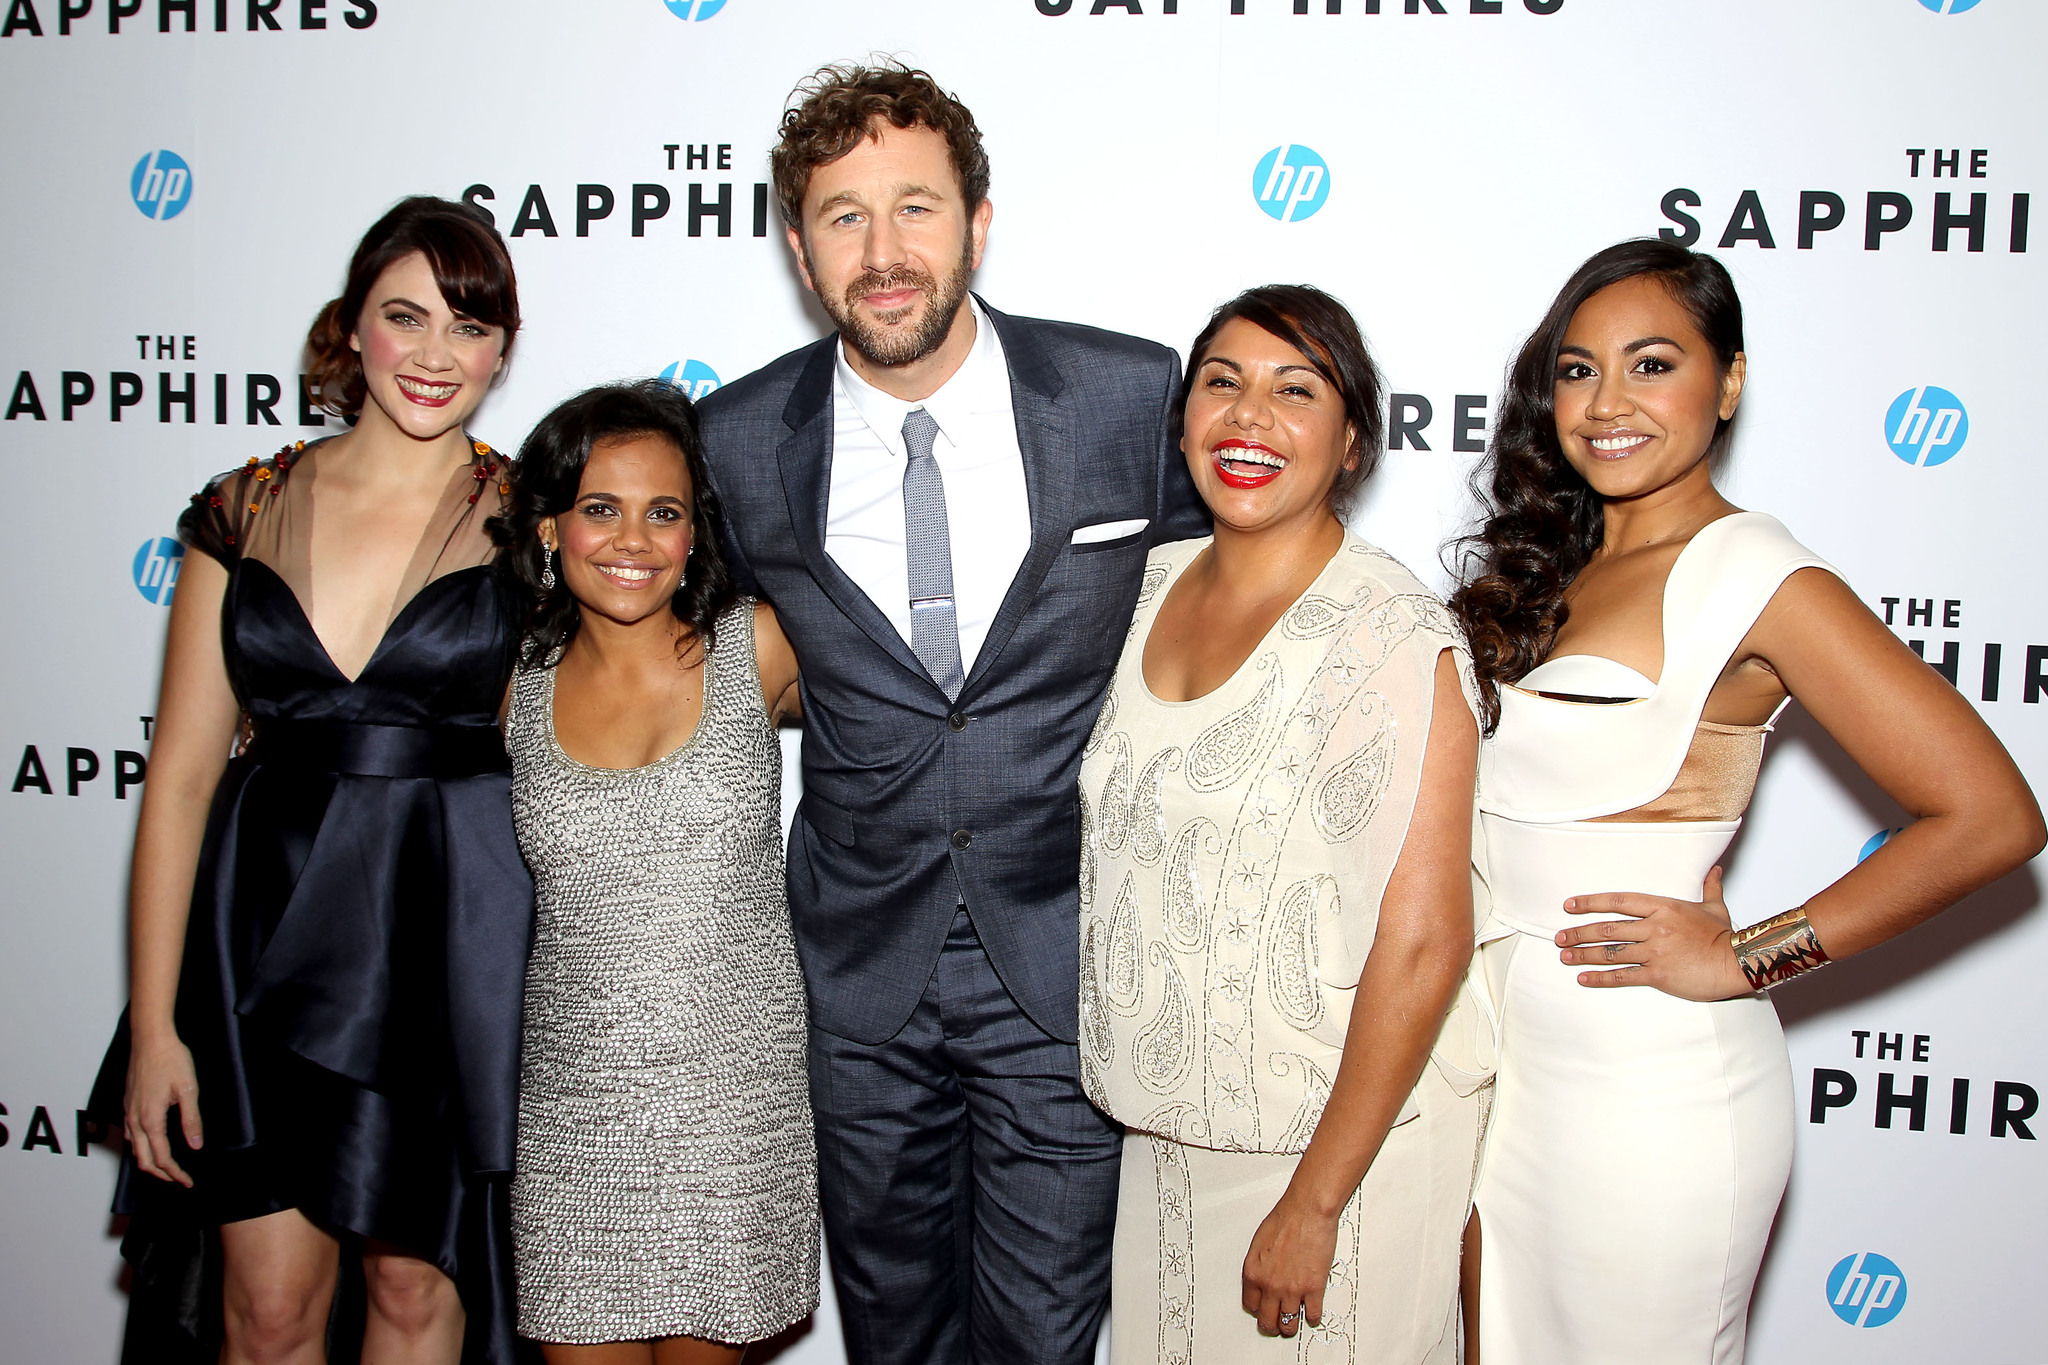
1276	891
1636	634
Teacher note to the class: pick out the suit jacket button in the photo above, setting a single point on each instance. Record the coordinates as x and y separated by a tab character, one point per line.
962	838
956	722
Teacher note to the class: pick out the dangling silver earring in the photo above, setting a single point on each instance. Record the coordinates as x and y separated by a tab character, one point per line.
547	570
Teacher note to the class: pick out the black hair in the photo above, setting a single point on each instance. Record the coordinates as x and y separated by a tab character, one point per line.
1542	521
1326	334
545	481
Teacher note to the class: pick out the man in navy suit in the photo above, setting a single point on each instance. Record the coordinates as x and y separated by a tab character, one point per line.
950	509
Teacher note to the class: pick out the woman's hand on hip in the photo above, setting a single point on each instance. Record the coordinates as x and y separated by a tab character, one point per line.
160	1074
1288	1266
1680	947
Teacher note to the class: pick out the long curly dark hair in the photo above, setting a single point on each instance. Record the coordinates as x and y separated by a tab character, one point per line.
1542	522
546	478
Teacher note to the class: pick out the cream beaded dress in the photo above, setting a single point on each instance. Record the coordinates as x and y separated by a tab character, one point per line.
1235	849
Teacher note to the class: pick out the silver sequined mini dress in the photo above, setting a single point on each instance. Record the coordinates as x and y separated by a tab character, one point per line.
666	1171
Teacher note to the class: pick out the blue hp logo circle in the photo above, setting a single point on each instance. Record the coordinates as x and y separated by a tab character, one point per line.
1866	1290
693	377
161	185
1948	6
1291	182
156	569
704	9
1926	426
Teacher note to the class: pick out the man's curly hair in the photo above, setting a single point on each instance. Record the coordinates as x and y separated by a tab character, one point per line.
839	105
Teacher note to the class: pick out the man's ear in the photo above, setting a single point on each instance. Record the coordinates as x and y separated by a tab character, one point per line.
803	263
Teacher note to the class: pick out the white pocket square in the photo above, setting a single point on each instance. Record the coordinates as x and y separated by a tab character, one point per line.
1110	530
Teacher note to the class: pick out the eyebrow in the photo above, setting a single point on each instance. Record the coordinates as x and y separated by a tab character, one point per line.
1638	344
904	191
1236	368
614	497
406	303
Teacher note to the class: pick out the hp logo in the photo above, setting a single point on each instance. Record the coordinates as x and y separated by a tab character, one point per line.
161	185
1866	1290
693	377
703	9
1948	6
1874	843
1291	182
1926	426
156	569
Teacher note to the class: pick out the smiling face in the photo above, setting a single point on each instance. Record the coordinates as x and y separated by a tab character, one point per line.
1265	433
425	367
627	539
888	244
1639	392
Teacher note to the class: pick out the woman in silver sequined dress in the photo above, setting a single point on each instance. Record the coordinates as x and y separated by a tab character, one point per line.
663	1203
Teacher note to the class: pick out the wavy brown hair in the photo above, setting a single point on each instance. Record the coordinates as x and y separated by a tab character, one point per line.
471	268
840	106
1542	522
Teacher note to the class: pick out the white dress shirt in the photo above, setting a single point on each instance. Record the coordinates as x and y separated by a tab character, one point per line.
988	513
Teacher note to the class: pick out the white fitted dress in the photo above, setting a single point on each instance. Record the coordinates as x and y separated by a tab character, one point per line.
1640	1143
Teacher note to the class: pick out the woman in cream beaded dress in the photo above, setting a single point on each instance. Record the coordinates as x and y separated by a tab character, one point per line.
1636	634
664	1204
1277	807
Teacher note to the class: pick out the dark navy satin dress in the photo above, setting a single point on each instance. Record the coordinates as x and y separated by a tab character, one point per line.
359	929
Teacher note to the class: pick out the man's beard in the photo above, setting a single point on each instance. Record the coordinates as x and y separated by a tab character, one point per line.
890	346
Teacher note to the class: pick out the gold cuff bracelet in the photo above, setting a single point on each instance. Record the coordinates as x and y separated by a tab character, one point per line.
1775	950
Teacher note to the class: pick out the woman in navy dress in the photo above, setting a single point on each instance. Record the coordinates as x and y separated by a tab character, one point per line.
328	929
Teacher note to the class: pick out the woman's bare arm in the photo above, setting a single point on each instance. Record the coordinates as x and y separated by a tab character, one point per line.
196	717
776	659
1420	950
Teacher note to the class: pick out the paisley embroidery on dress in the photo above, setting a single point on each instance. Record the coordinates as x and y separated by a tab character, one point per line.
1148	586
1183	906
1350	793
1101	1038
1113	816
1221	753
1315	1098
1291	982
1123	961
1087	880
1105	721
1164	1049
1148	811
1180	1121
1314	615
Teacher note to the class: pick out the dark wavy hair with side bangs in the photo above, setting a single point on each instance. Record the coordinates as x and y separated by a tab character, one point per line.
1542	521
471	268
1327	336
545	482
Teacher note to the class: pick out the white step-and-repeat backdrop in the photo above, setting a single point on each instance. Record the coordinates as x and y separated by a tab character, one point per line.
187	177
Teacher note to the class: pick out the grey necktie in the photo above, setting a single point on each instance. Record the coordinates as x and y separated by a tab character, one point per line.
934	627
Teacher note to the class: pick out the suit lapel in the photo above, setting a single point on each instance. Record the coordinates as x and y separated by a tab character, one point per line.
1045	438
805	456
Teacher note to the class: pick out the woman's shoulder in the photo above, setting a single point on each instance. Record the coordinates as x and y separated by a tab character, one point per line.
1164	563
218	515
1371	581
